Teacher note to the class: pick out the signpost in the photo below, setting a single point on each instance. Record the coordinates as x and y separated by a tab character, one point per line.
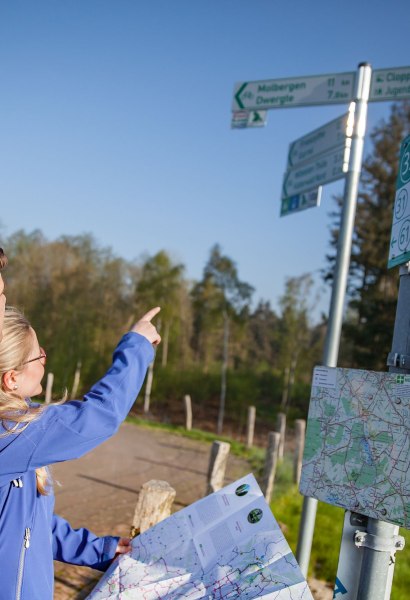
399	252
385	85
335	88
390	84
300	202
317	158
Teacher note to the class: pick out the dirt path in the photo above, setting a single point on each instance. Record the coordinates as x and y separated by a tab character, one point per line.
100	490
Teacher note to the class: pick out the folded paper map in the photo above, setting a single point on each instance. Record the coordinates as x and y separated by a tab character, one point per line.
227	545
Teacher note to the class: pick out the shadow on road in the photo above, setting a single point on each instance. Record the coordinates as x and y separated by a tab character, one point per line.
114	485
169	466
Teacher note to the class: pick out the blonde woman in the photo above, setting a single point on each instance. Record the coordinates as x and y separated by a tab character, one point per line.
32	437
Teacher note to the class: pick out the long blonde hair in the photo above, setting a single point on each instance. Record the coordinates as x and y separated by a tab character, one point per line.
15	413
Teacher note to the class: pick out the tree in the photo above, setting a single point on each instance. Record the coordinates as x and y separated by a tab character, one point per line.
262	347
77	296
372	287
161	284
220	297
294	329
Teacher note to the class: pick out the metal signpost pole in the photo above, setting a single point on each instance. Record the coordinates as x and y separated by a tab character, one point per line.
332	342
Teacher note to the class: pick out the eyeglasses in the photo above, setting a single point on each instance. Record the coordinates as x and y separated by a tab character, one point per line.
42	358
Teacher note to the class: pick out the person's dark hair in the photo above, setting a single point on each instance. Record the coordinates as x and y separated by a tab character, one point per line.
3	260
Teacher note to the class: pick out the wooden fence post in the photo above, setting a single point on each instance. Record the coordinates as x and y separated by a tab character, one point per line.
271	461
148	387
217	466
76	381
281	429
250	430
300	428
49	387
188	412
154	504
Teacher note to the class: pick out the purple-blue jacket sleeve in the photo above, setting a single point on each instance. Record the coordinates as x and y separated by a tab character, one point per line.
81	546
69	430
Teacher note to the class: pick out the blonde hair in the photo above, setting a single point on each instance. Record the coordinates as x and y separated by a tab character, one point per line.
15	413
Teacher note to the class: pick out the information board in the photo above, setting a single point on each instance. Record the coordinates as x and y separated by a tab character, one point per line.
357	450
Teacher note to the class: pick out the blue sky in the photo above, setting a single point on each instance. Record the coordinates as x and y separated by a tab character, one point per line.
115	120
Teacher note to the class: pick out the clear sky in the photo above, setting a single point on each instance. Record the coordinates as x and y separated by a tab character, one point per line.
115	120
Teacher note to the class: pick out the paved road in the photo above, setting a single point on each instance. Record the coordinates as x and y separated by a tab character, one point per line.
100	490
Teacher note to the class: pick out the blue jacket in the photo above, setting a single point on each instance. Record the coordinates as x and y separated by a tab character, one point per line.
30	535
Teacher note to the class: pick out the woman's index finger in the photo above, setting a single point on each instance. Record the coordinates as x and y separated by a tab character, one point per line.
151	314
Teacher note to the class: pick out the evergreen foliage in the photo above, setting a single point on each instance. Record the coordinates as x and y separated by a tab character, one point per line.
81	298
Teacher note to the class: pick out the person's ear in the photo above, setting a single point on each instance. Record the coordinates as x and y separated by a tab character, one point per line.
9	381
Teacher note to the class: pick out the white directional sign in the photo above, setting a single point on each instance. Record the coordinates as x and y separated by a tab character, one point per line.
321	140
390	84
336	88
400	232
323	169
300	202
248	118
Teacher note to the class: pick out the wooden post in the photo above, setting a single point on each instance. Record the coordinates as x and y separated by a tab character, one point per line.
222	399
300	428
281	429
148	387
154	504
271	462
217	466
188	412
285	389
49	387
250	430
76	381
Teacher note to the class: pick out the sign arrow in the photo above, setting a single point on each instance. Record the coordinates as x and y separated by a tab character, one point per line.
238	94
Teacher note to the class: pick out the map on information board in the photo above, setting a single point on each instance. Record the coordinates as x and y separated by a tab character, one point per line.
357	449
227	545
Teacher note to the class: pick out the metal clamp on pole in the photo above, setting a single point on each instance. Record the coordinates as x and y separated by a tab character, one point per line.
395	359
362	539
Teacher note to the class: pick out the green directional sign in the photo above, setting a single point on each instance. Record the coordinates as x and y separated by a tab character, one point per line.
321	140
335	88
399	251
318	171
390	84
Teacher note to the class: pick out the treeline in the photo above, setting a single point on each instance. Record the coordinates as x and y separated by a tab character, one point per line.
81	298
